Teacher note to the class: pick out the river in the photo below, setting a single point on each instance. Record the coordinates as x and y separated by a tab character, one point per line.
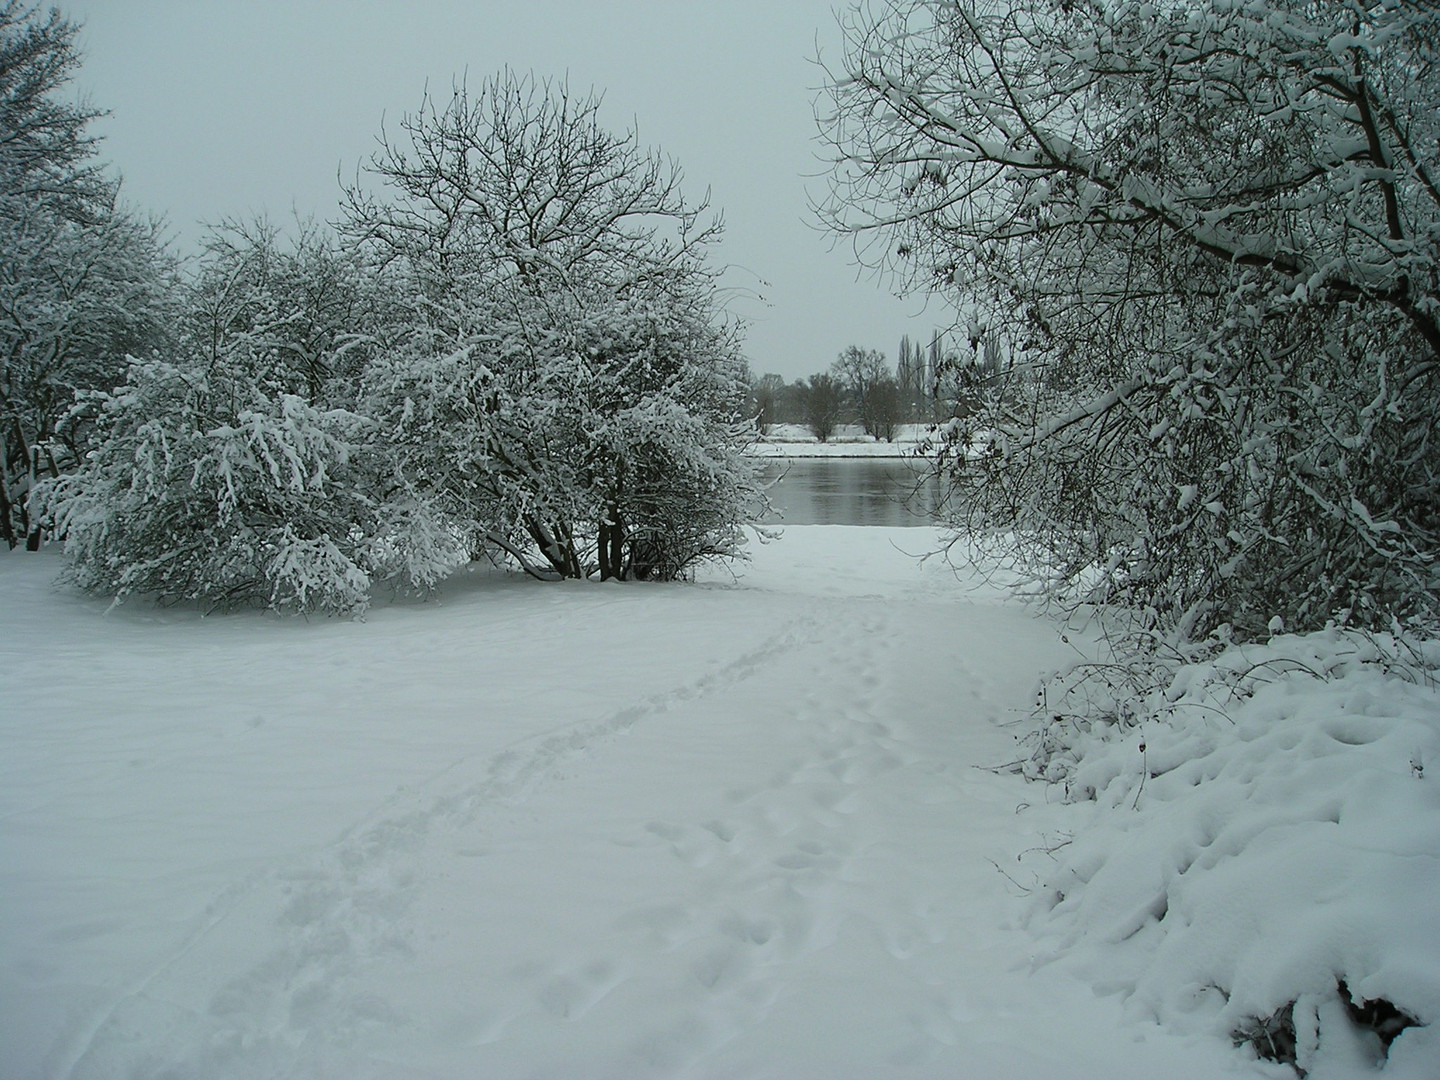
850	491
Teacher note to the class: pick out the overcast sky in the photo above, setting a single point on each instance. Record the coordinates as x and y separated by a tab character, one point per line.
225	108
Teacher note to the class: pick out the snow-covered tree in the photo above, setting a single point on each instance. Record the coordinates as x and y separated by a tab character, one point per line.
292	308
765	397
870	384
82	281
236	472
820	396
567	386
910	377
203	487
1211	235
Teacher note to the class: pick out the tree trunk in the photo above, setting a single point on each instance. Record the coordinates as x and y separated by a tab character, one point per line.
557	546
7	525
611	545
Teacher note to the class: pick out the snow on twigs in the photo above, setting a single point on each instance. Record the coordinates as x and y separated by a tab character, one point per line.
1265	843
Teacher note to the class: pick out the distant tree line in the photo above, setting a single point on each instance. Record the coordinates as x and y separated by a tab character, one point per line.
928	384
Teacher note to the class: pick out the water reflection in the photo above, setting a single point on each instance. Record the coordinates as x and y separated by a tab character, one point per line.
850	491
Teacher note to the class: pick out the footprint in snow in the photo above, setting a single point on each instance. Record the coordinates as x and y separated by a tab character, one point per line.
749	931
570	996
722	967
722	831
694	847
808	855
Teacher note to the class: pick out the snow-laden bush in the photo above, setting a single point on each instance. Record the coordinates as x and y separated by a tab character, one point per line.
1255	471
1262	855
678	487
203	488
559	381
611	442
662	433
243	475
565	383
292	308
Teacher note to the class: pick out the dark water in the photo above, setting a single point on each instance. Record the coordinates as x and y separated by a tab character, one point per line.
849	491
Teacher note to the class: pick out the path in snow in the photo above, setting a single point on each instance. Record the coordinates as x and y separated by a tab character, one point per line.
732	830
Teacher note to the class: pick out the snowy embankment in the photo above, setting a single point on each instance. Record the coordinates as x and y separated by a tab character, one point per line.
1262	853
796	441
732	829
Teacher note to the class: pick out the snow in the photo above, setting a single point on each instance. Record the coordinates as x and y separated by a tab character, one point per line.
727	829
1272	829
849	440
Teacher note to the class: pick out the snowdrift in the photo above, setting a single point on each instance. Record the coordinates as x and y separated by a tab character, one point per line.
1263	852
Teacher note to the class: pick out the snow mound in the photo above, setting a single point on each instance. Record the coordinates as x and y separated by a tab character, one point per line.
1263	859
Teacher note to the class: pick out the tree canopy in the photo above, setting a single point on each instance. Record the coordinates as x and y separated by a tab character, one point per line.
514	348
1210	235
83	282
567	382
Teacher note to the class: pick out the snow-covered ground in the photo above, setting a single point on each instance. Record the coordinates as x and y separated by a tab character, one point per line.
737	829
1258	850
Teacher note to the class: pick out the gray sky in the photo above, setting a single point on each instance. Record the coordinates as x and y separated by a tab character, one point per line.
224	108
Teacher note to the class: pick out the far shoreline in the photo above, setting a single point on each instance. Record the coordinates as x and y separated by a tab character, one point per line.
795	441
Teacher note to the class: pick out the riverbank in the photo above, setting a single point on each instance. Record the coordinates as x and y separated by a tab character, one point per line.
849	441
